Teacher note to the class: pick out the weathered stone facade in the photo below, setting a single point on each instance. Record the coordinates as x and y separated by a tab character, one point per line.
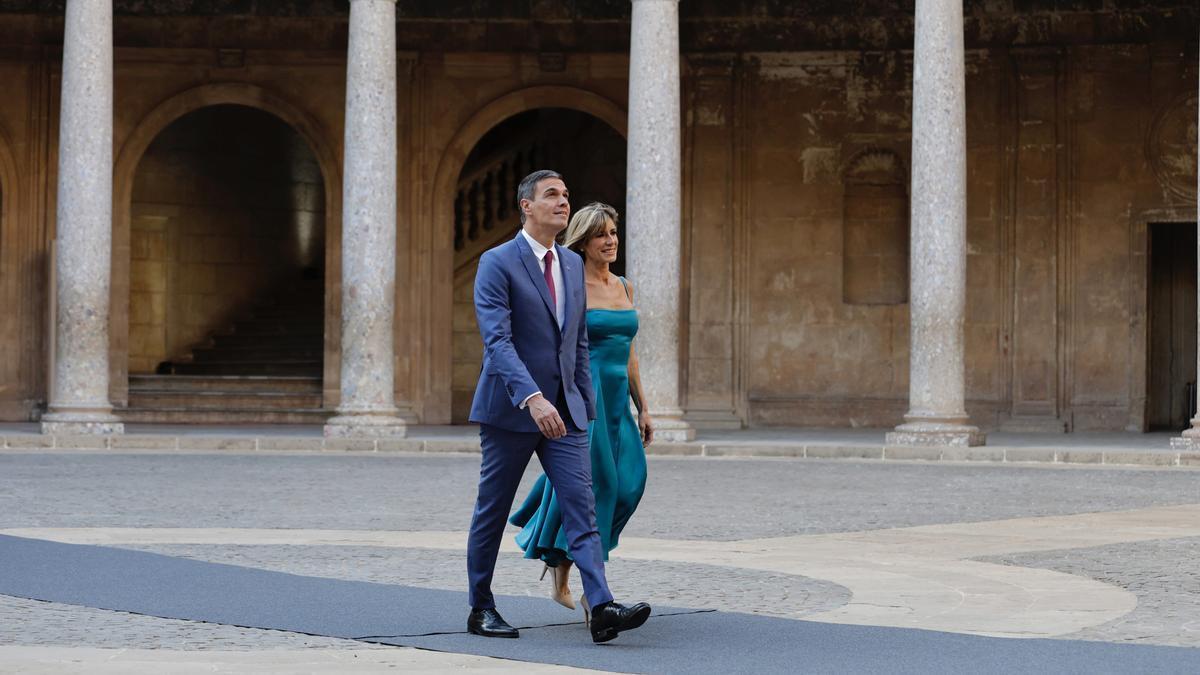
796	161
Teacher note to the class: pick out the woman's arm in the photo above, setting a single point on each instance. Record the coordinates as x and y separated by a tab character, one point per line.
635	388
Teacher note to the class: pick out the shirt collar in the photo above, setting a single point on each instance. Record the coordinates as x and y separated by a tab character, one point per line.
539	251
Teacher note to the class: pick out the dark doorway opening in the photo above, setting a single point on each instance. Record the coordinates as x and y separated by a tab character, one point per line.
227	249
1171	372
226	266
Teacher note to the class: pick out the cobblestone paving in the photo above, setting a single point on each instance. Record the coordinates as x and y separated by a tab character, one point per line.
33	623
685	498
1164	575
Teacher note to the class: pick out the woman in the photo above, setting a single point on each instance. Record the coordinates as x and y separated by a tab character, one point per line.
617	441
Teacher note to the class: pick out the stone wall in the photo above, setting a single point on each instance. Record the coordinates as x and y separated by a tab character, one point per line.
25	234
1065	169
1132	163
468	348
812	358
1080	131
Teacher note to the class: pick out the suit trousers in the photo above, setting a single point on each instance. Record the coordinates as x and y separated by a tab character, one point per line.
569	467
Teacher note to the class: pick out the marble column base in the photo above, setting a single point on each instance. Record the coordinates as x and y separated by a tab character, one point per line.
1190	440
671	427
81	422
933	434
365	425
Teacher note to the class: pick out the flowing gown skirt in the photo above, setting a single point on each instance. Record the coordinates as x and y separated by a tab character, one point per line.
618	457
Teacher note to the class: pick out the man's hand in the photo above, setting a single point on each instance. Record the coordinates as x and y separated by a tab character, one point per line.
546	417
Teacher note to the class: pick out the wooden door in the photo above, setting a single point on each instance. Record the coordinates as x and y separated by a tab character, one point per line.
1172	323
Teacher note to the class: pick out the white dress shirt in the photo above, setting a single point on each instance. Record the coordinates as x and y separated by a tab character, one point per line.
539	252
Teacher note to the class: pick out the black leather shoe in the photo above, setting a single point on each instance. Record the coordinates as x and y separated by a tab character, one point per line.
612	618
489	623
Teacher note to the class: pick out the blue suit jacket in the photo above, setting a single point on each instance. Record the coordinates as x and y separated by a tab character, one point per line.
524	349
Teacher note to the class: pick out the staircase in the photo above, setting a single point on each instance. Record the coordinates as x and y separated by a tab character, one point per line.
485	214
265	369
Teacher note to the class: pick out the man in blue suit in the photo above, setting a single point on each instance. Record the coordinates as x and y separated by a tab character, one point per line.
535	396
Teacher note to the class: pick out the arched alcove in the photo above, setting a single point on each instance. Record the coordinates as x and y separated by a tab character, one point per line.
584	149
438	306
227	229
134	147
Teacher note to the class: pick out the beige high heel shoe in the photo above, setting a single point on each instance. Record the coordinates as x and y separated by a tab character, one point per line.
587	610
559	592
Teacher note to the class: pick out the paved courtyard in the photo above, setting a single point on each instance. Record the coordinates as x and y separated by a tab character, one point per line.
1068	552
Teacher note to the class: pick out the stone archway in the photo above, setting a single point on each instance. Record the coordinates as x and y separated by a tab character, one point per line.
124	171
438	305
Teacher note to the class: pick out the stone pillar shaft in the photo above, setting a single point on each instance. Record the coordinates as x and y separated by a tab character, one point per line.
653	204
367	405
1191	438
83	263
937	415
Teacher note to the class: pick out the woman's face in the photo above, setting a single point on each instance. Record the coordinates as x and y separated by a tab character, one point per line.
603	246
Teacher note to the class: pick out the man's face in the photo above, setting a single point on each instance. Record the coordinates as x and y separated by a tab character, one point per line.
550	206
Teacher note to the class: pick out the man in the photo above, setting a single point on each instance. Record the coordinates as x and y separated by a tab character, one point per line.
535	395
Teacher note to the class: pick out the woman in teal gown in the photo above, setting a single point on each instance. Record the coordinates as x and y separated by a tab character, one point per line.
617	439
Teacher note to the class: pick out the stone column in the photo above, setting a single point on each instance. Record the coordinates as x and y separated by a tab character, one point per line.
1191	438
83	261
936	414
368	407
652	204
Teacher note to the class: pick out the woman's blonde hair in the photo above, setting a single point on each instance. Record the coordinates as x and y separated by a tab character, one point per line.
588	222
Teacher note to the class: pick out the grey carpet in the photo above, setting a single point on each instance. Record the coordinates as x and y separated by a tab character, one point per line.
673	641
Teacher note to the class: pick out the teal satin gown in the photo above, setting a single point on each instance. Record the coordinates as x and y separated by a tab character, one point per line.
618	457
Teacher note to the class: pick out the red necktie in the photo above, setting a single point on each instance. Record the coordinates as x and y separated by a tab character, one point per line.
550	279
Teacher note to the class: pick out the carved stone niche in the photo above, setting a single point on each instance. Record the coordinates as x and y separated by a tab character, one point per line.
875	229
1171	148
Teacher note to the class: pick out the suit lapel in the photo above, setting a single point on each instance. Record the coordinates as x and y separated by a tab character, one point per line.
535	274
568	273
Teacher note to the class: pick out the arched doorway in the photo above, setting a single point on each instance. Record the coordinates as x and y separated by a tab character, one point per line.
227	233
585	149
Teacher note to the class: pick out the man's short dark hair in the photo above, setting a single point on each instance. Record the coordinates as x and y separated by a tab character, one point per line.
529	184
